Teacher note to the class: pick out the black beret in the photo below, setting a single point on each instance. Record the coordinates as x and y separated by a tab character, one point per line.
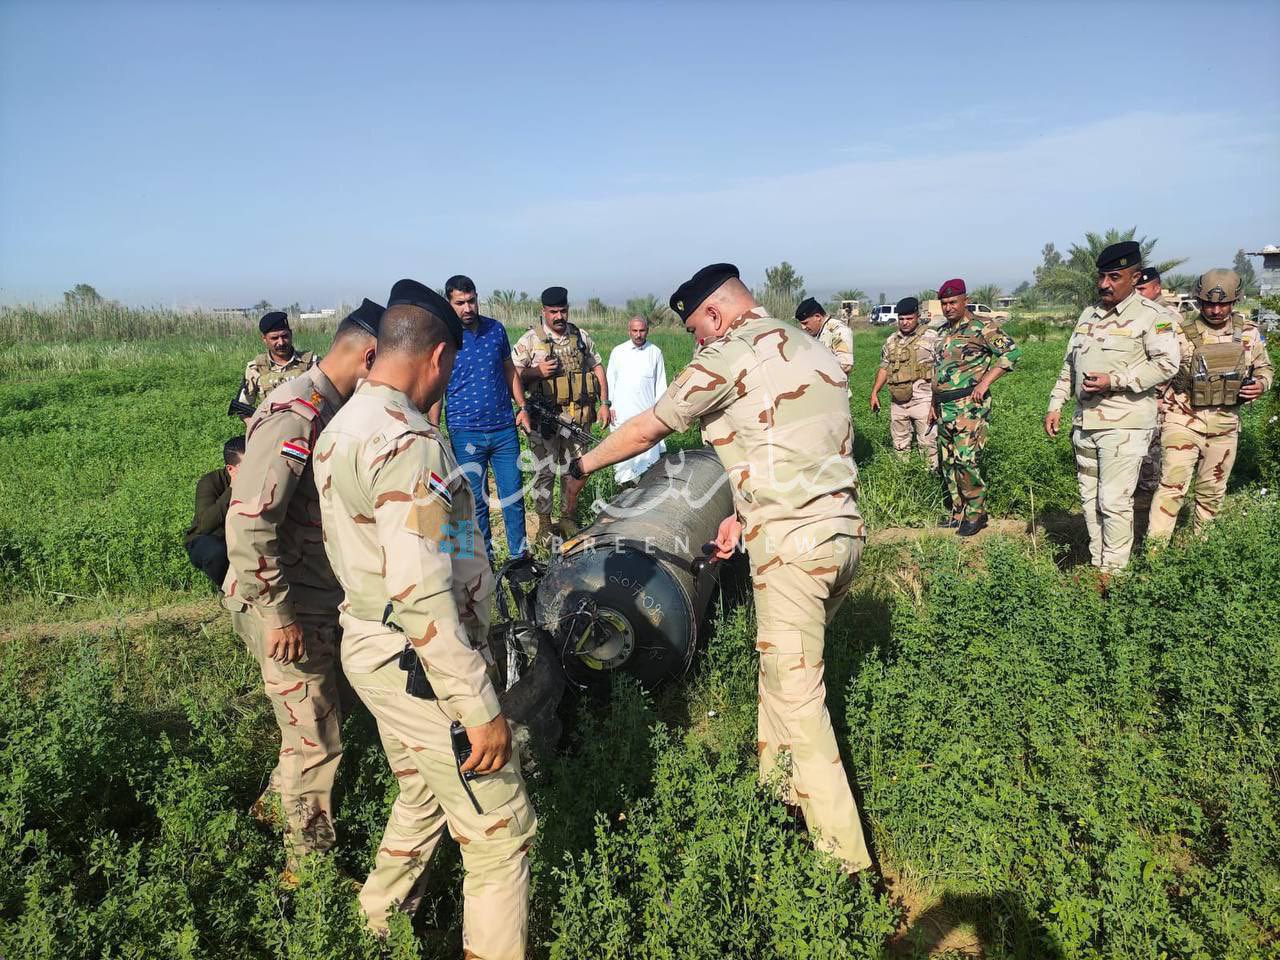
907	305
275	320
1126	253
367	317
1148	274
555	297
415	294
690	294
808	308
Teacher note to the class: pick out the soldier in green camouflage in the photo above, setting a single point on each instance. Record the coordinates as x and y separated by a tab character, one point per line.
969	356
279	364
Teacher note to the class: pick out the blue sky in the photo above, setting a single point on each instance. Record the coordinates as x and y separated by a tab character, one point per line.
220	153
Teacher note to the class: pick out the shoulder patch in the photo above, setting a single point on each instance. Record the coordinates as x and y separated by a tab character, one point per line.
295	450
438	488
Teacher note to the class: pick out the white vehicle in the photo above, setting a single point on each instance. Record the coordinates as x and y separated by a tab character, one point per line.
883	314
983	312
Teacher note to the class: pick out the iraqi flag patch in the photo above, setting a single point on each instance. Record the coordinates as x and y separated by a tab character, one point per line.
438	487
295	450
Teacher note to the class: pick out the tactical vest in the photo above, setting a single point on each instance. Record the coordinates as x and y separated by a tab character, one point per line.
905	368
576	382
1218	370
270	377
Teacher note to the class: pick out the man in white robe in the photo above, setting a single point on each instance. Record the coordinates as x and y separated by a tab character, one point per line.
637	376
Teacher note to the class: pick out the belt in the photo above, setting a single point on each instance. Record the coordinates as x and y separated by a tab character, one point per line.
949	396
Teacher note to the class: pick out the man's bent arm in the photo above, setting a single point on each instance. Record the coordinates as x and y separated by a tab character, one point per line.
634	437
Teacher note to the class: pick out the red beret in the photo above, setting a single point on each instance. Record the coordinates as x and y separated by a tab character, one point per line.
952	288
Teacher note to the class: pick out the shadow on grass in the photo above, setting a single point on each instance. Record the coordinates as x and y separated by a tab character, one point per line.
961	924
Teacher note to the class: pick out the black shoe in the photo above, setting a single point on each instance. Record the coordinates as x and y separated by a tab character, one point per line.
970	527
949	523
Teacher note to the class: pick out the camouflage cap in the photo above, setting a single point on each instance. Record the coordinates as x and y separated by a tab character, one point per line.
1218	286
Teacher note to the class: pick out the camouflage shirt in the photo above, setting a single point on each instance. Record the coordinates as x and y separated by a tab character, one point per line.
1213	421
1134	344
838	338
773	405
399	523
274	542
263	374
965	351
895	359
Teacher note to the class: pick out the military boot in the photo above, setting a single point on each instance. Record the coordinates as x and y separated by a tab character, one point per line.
544	531
566	527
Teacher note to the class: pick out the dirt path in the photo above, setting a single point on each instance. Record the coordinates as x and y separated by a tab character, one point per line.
189	613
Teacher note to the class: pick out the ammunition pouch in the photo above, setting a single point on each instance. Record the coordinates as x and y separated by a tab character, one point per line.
905	369
1218	370
575	383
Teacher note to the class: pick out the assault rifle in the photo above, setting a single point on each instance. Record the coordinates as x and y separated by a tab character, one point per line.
236	408
550	424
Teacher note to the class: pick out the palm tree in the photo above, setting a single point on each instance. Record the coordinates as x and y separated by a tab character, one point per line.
1075	280
852	294
649	308
502	302
988	293
1178	282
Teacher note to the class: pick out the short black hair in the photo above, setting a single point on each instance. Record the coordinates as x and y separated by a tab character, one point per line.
348	329
411	330
232	451
459	283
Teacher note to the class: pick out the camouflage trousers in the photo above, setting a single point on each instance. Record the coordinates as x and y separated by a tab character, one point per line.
1107	465
912	419
550	457
794	604
305	698
962	433
494	843
1190	455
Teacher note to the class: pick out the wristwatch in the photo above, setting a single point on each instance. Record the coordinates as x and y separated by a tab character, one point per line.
607	403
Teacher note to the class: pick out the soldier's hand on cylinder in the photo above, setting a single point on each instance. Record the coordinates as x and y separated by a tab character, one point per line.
1251	391
284	644
727	537
1052	422
490	746
522	421
1096	382
875	403
548	367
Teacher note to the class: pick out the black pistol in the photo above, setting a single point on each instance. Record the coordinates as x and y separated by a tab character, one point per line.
416	683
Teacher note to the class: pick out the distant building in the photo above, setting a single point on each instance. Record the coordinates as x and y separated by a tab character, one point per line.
1004	303
1270	279
319	314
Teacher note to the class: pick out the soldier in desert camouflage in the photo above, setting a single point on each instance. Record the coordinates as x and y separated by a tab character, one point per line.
1118	355
906	366
1149	286
280	589
399	528
832	332
279	364
1224	364
968	357
559	366
774	407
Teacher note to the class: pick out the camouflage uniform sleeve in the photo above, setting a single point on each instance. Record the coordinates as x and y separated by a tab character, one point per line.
884	353
593	354
411	507
250	393
522	353
1163	359
1260	359
843	349
278	447
1004	349
708	384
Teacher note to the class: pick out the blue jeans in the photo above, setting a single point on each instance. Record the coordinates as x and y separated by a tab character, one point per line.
474	451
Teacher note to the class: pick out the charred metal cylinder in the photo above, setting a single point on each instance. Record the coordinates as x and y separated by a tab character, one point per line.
630	591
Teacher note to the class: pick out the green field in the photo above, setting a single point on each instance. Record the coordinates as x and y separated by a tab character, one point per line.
1048	774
